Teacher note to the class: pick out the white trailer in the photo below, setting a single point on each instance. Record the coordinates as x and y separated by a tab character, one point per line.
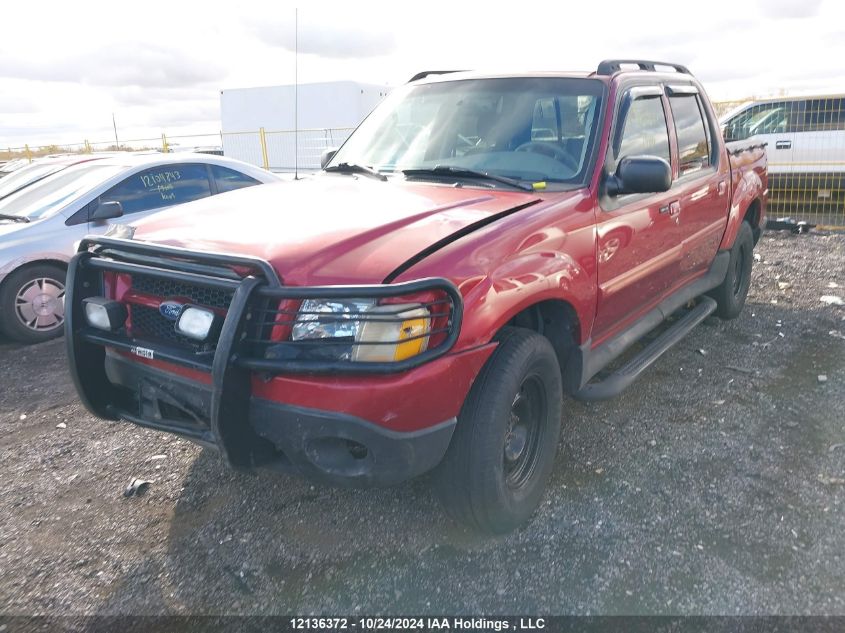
327	113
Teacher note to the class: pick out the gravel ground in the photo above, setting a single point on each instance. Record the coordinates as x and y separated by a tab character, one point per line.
714	486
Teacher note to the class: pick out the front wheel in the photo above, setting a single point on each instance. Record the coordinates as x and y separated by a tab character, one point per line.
731	293
32	303
501	455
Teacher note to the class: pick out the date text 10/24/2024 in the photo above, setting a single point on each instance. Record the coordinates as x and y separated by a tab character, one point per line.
375	623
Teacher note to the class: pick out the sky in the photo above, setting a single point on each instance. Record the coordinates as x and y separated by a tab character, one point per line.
66	67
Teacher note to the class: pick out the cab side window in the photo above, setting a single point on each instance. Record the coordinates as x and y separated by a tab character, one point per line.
229	179
645	132
766	118
160	187
693	146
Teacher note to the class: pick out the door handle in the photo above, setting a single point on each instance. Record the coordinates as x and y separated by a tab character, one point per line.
673	208
783	144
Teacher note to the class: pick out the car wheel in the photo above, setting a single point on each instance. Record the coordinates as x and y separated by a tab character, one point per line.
501	454
731	293
32	303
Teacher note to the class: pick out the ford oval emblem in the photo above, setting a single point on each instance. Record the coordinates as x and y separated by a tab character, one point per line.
170	309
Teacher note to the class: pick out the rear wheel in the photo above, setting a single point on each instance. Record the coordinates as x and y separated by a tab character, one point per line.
731	293
32	303
494	473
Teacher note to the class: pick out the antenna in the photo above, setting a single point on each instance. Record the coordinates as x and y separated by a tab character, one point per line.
114	125
296	93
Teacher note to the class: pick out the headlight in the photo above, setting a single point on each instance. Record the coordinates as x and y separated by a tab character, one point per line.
195	323
359	330
104	314
329	319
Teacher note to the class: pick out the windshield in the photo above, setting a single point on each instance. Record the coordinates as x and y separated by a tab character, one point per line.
49	195
22	177
531	128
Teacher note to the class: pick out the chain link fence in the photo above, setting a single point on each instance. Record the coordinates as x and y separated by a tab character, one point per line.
805	139
163	143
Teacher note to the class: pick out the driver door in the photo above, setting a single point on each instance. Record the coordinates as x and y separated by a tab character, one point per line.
638	244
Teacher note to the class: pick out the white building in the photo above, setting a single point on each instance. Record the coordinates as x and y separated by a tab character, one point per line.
327	113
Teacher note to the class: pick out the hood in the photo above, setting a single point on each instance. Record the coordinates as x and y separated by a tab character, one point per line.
331	229
9	227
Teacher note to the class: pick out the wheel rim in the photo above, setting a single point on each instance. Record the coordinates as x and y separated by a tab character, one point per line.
40	304
522	436
739	271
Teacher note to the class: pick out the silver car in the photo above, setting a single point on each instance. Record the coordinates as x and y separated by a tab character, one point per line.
41	224
40	168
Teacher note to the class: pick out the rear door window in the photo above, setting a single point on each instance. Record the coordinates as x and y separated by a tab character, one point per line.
693	146
645	132
229	179
160	187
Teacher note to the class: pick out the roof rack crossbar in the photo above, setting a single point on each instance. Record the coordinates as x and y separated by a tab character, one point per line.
426	73
610	66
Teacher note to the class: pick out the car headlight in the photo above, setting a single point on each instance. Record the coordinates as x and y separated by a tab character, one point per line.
363	331
336	319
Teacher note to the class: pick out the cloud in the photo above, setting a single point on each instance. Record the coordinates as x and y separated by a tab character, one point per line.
17	104
143	65
333	39
134	95
186	114
784	9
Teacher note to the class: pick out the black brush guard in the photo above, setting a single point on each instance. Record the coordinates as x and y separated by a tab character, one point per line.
229	364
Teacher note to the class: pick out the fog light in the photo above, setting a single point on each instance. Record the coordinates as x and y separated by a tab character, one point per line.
104	314
195	323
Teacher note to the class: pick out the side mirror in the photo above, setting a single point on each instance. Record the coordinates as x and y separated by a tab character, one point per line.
326	156
107	211
640	174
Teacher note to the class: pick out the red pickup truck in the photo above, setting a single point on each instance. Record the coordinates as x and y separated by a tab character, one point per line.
481	246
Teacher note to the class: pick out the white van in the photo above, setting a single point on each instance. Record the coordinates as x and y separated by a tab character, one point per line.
806	148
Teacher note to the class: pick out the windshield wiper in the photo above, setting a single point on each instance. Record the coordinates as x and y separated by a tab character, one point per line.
450	170
14	218
355	168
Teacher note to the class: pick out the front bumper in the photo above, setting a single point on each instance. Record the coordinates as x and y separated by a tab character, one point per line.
321	445
220	410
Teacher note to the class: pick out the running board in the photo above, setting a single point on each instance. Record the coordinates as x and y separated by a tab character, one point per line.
622	378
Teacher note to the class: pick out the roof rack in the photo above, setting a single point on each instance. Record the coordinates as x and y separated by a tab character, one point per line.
426	73
610	66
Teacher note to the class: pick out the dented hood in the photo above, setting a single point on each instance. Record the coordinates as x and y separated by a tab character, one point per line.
330	229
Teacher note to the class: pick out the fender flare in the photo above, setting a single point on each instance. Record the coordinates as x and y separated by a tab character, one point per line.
748	191
519	283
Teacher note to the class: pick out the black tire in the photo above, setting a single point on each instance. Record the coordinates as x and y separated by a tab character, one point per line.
484	480
731	293
46	284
